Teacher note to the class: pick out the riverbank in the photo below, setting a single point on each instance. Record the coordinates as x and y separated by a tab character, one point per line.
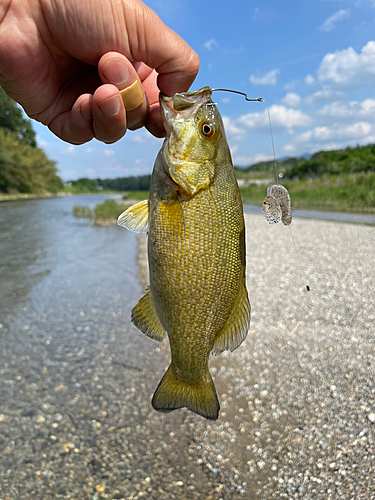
297	397
24	196
340	193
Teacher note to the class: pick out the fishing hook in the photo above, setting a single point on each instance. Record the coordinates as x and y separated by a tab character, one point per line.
259	99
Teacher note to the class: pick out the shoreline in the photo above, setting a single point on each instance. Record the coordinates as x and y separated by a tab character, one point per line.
363	218
297	398
31	196
297	367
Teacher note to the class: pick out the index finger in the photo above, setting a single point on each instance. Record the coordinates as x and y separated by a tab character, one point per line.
162	49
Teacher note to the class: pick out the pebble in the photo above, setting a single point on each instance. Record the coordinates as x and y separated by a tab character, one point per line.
293	424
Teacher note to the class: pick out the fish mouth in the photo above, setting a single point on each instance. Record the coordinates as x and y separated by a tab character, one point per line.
183	106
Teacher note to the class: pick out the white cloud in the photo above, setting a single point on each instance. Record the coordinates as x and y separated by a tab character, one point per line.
281	117
89	150
340	110
108	152
69	174
336	132
114	167
41	142
348	67
326	94
309	80
68	150
233	131
289	148
210	44
291	99
269	78
289	86
330	23
250	160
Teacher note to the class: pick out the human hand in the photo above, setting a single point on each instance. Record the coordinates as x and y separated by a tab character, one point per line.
65	62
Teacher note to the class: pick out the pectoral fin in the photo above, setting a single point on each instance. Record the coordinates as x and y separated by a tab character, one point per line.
135	218
146	319
237	326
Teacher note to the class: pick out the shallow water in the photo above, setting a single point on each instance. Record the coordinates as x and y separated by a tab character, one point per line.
48	257
76	378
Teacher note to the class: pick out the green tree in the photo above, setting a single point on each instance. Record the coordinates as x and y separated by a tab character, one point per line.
12	120
24	168
85	185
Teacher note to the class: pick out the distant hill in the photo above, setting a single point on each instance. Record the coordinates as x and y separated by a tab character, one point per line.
132	183
360	159
344	161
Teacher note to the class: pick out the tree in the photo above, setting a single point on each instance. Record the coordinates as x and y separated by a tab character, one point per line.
12	120
25	169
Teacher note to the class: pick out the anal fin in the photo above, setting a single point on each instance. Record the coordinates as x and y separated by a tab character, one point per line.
237	325
146	319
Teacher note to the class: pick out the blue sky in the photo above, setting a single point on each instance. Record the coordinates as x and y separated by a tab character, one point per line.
313	62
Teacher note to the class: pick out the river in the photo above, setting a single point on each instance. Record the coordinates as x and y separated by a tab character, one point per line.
76	377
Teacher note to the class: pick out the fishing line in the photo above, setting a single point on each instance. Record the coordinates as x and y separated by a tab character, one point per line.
275	200
273	144
299	259
301	270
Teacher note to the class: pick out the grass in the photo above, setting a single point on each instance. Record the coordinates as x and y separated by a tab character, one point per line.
26	196
82	211
108	211
135	195
103	214
343	193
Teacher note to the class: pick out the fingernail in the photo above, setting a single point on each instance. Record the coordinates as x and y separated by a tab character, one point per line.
111	106
116	72
86	110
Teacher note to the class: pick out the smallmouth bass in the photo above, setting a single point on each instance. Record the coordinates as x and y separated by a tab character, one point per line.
196	252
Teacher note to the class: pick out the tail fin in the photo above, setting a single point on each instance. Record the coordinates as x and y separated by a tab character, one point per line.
199	397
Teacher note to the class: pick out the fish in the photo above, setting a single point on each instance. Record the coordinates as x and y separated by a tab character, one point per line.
196	252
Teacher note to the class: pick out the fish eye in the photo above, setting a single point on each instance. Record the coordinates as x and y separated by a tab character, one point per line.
208	130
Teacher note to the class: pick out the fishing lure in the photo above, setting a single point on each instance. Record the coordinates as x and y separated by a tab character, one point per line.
277	206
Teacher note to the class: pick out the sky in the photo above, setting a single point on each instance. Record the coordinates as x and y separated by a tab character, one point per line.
313	62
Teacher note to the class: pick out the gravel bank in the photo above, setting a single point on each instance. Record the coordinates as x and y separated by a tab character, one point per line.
297	398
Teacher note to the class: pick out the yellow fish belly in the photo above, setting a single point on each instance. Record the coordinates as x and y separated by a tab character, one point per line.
197	285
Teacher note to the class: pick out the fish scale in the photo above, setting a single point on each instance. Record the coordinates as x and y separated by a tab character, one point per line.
196	253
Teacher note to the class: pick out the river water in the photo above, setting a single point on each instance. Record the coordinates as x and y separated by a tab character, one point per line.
76	378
